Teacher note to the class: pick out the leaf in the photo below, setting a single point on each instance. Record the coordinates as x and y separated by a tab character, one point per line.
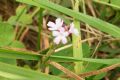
94	22
65	52
8	60
115	2
21	16
17	44
21	9
68	51
71	59
13	54
86	50
17	73
100	76
6	34
90	67
3	78
105	0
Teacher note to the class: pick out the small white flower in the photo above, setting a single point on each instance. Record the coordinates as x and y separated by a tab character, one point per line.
60	31
60	36
55	26
73	30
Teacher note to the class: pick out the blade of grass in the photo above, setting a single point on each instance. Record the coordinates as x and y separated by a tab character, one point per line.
76	41
27	55
105	3
40	27
17	73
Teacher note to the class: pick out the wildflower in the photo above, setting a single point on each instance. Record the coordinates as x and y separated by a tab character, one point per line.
60	36
60	31
55	26
73	30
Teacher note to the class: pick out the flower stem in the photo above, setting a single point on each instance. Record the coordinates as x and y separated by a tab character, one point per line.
40	18
77	44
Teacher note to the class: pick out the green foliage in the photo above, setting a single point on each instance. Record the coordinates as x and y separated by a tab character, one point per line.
17	44
21	16
16	73
115	2
6	34
16	63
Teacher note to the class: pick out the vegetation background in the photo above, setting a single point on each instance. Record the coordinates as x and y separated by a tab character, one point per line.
27	51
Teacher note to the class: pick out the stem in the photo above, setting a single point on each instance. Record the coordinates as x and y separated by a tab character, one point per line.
35	12
84	11
77	44
40	20
17	20
65	70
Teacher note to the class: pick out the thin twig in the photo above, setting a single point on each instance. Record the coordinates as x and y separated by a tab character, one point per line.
103	70
66	71
89	3
70	45
23	34
97	47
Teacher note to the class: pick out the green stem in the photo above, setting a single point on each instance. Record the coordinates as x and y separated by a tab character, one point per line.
40	19
17	20
77	45
35	12
49	53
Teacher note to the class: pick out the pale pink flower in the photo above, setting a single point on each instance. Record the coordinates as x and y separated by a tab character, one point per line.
55	26
60	36
73	30
60	31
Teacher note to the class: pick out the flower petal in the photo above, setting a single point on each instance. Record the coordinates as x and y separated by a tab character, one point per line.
59	22
71	30
66	33
55	33
51	24
61	29
64	40
57	40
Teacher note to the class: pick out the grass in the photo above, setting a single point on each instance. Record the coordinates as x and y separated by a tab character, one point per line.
28	52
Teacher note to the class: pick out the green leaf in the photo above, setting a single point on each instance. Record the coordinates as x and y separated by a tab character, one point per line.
6	34
100	76
115	2
90	67
17	44
86	50
8	61
94	22
17	73
21	16
21	9
24	19
3	78
7	53
105	0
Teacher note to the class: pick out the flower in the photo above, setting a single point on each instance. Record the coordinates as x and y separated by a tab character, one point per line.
55	26
61	31
73	30
60	36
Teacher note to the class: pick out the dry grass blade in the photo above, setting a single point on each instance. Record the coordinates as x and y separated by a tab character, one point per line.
66	71
106	69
